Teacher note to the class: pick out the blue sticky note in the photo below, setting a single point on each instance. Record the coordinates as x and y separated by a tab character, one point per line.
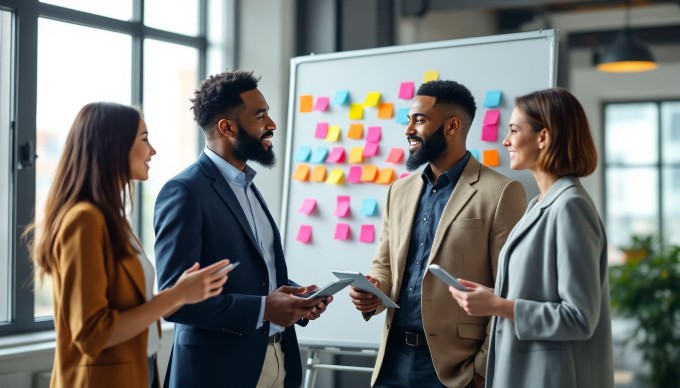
402	116
492	99
341	97
319	155
475	153
369	207
303	154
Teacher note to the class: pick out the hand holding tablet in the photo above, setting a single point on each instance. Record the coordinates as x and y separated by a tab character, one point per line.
446	277
327	290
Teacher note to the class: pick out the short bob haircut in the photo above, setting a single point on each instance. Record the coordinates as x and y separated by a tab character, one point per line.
571	151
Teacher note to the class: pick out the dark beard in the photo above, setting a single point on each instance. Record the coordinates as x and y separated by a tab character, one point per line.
430	149
251	148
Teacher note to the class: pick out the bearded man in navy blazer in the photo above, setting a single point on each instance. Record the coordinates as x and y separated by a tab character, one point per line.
245	336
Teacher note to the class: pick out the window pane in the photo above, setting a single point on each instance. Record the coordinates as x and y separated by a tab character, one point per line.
631	133
170	79
76	65
6	50
181	17
632	203
118	9
671	205
670	130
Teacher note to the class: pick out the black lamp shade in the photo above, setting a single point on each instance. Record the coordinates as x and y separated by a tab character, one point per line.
626	54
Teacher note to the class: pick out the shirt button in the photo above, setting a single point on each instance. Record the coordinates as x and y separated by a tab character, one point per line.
417	262
263	284
425	219
422	244
434	191
410	288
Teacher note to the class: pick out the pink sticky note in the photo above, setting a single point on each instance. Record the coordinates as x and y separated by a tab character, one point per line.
490	132
342	209
321	130
374	134
367	234
354	175
305	234
321	104
491	116
308	206
337	155
406	90
371	149
341	231
396	155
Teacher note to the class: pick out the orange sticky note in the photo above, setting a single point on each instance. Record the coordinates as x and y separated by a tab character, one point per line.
356	155
356	112
319	174
301	173
356	131
396	155
333	134
336	177
372	99
490	158
369	173
386	176
386	110
306	103
431	75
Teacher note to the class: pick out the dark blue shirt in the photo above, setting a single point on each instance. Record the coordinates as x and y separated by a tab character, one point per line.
433	199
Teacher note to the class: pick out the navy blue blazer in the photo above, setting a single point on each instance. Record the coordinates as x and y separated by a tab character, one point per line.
197	217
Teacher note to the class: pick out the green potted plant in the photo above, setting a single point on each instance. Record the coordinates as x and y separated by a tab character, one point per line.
640	246
648	291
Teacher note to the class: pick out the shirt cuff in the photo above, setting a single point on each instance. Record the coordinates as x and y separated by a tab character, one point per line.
260	317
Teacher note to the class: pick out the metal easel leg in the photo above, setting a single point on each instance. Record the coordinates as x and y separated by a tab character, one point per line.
310	370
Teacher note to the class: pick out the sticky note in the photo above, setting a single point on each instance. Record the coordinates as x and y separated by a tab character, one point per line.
402	116
342	231
341	97
385	110
492	98
337	155
356	112
369	173
367	234
431	75
356	155
404	175
301	173
342	206
319	174
336	177
303	154
491	158
374	134
475	154
304	234
333	134
491	117
356	131
354	175
406	90
386	176
396	155
372	99
308	206
319	155
321	130
306	103
371	149
321	104
490	132
369	207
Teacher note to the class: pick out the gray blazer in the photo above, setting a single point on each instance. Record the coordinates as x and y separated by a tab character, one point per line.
554	266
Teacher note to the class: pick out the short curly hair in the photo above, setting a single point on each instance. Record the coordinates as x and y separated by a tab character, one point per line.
451	93
220	93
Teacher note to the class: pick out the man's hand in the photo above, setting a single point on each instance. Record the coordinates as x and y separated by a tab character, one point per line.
364	301
283	308
319	308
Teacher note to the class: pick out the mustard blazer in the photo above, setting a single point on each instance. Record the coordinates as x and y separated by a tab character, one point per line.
90	288
483	208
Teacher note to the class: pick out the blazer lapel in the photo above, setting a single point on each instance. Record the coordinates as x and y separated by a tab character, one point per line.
134	269
411	199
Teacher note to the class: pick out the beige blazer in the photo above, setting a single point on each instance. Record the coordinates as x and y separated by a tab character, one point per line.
90	288
483	208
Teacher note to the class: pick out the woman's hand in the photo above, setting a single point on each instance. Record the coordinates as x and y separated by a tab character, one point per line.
481	301
196	285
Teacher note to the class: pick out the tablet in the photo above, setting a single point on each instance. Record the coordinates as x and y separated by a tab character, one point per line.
327	290
229	267
361	283
446	277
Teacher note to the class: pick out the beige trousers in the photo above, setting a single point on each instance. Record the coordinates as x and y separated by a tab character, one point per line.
273	372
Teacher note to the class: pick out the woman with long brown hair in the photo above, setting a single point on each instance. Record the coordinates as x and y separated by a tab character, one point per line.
105	314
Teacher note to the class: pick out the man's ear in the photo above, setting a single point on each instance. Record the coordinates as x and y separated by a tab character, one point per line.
227	128
453	124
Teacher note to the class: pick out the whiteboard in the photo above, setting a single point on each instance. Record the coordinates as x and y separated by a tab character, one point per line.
515	64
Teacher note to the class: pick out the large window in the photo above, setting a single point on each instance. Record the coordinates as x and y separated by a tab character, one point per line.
6	60
642	164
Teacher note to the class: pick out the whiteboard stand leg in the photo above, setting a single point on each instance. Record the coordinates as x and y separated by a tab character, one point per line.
310	371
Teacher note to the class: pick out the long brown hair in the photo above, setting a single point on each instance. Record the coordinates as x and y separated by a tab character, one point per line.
94	167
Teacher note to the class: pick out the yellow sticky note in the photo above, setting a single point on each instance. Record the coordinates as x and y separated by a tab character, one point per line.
386	110
490	158
356	155
372	99
306	103
369	173
356	131
431	75
356	112
333	134
301	173
319	174
336	177
386	176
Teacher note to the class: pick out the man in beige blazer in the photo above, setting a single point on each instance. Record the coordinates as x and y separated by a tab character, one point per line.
457	214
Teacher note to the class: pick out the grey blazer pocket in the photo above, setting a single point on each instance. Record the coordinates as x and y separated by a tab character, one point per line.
471	331
468	223
539	346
